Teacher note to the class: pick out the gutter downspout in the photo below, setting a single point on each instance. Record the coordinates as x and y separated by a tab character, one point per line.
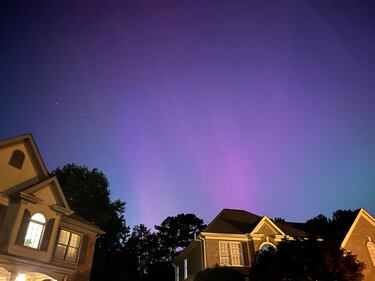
201	238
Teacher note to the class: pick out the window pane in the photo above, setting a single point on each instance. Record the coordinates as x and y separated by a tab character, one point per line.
71	255
75	240
64	237
60	252
236	253
33	235
224	251
38	217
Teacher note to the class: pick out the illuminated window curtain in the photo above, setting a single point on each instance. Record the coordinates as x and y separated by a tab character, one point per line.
224	250
230	253
236	253
68	246
35	231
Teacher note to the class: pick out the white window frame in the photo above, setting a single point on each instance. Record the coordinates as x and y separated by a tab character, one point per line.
185	269
177	273
266	244
231	253
67	246
35	225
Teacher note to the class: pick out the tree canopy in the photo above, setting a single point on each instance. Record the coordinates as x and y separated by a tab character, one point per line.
301	260
331	229
176	232
87	192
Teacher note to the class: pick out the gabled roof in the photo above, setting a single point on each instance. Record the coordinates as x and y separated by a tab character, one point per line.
232	221
350	226
34	151
56	191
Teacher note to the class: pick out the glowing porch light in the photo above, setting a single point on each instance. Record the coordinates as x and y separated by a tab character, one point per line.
21	277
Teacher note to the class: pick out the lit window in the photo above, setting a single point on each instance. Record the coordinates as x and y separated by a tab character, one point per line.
265	247
177	273
35	231
230	253
68	246
371	251
185	268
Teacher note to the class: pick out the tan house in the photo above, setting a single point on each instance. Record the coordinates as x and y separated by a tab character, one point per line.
234	236
360	240
40	236
232	239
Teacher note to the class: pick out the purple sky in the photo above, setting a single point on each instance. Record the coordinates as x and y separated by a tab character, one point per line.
199	105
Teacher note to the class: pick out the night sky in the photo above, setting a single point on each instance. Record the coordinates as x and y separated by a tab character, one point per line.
198	105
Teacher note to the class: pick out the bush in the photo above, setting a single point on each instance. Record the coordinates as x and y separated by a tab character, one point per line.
219	274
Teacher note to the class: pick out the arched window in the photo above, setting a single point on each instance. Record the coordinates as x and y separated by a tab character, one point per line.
267	246
371	251
17	159
35	231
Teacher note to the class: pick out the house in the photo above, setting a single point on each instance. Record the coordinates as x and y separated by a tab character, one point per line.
232	239
359	239
41	238
234	236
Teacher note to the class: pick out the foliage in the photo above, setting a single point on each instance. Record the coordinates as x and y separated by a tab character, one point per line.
176	233
219	274
142	247
331	229
278	219
300	260
87	192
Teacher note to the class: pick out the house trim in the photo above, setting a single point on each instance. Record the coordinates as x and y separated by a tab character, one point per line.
262	222
362	213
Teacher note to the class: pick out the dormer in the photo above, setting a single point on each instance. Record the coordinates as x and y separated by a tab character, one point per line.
20	163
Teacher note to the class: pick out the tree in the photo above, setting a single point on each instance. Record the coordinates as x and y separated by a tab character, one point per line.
142	250
219	274
278	219
318	225
301	260
87	192
331	229
176	233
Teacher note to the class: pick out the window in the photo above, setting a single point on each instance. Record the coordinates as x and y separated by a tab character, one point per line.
185	268
35	231
68	246
230	253
177	273
371	251
266	246
17	159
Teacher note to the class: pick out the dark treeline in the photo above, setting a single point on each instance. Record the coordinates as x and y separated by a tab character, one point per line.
136	254
140	254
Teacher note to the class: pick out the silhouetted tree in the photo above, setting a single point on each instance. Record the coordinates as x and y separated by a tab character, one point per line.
87	192
142	248
278	219
300	260
333	229
319	225
219	274
175	233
